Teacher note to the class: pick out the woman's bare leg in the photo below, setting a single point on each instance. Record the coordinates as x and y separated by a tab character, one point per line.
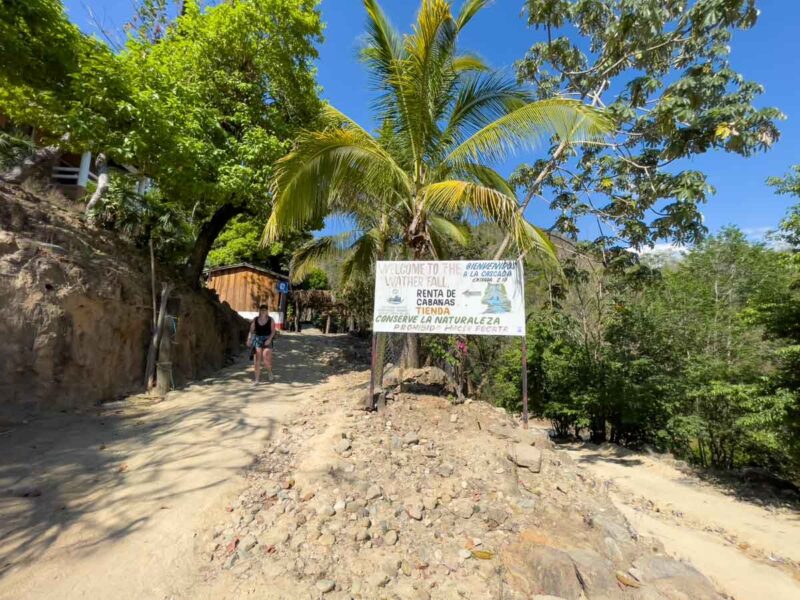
267	356
257	363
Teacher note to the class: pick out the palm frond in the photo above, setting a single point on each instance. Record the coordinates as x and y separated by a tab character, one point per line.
386	58
481	100
384	48
336	170
428	78
528	238
333	115
465	63
457	197
525	127
363	254
311	254
453	197
486	176
468	10
441	229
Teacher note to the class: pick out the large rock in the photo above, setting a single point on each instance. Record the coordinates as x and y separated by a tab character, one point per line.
595	573
543	570
613	526
674	579
427	380
526	456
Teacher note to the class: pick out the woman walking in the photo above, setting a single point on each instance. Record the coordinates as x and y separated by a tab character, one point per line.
262	330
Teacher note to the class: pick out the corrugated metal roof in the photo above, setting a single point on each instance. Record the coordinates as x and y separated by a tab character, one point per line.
246	266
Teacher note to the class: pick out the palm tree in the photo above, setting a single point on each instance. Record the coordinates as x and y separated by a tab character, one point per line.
445	118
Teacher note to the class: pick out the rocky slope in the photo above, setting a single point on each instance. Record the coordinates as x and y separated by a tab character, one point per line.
75	311
426	499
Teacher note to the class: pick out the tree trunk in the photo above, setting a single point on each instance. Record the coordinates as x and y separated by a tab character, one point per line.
205	239
153	277
31	165
101	162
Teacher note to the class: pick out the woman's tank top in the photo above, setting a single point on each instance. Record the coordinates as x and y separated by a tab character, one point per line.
265	329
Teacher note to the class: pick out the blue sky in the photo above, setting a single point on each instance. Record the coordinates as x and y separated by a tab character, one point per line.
766	54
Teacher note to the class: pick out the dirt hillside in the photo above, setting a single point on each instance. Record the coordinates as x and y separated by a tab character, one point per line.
76	310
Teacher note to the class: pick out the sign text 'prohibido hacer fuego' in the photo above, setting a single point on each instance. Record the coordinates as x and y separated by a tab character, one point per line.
456	297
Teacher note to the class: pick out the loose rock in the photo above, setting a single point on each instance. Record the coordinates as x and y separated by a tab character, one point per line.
525	456
390	537
411	438
414	509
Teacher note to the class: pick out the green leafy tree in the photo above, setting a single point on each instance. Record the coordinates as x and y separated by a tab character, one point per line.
444	118
688	357
203	102
662	70
781	316
240	242
223	90
67	85
316	279
146	219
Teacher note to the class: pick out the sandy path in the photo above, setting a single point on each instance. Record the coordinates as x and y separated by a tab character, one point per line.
748	550
123	491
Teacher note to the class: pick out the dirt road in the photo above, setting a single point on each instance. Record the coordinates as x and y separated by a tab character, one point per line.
751	552
114	499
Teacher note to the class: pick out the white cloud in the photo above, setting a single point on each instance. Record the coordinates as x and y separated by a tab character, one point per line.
757	234
663	248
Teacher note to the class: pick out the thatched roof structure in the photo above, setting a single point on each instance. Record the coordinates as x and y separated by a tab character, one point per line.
319	300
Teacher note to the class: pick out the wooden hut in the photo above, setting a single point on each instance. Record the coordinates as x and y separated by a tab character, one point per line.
245	287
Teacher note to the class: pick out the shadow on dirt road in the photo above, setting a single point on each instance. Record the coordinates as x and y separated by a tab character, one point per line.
136	473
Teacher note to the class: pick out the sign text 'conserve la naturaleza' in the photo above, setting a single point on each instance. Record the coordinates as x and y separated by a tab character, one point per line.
456	297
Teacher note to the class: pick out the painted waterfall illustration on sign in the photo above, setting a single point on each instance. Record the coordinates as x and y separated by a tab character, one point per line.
496	299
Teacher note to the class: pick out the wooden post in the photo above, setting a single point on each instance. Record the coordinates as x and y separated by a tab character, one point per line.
372	374
525	381
152	353
164	366
83	171
282	303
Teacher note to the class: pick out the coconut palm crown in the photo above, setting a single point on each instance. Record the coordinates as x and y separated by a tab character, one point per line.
409	188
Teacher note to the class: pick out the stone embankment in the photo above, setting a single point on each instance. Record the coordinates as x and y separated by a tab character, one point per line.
426	499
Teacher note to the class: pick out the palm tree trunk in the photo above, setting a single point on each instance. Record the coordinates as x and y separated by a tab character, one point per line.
409	359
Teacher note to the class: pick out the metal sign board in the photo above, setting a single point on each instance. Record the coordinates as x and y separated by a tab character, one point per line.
452	297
